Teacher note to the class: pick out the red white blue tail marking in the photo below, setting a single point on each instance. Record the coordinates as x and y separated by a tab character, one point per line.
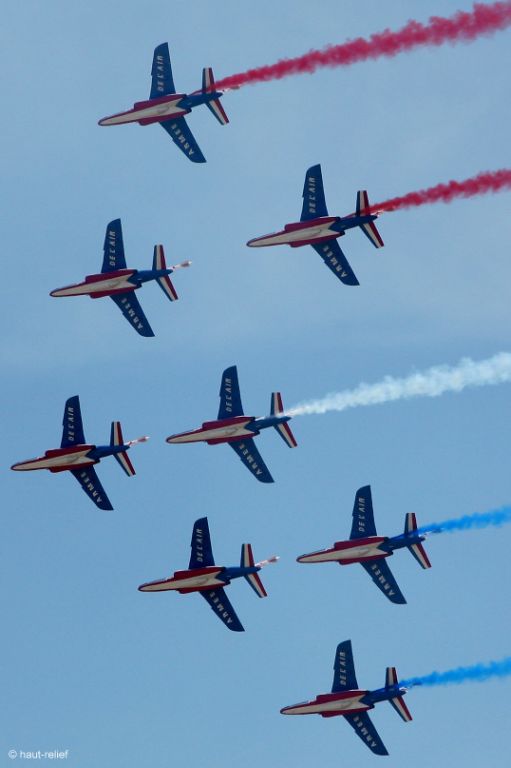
117	439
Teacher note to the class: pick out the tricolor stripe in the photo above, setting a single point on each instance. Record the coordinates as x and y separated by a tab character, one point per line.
410	522
256	584
218	111
391	677
288	436
401	708
277	406
169	290
159	257
420	555
125	463
362	202
247	557
373	234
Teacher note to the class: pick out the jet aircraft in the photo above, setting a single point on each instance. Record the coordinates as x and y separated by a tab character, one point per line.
120	283
168	108
209	580
79	457
320	230
370	550
348	700
237	430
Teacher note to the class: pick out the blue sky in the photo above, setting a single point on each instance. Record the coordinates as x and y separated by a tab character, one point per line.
120	677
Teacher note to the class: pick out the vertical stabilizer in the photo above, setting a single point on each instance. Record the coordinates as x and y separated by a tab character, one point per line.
116	438
247	561
164	281
368	227
208	85
416	548
284	430
397	702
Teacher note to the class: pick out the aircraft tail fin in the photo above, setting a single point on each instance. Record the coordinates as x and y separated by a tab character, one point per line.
247	561
116	438
397	702
284	430
368	228
208	85
416	548
164	282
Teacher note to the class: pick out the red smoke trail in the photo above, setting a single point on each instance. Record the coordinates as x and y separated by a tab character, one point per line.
489	181
463	26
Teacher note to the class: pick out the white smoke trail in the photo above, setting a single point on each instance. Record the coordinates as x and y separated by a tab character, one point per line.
430	383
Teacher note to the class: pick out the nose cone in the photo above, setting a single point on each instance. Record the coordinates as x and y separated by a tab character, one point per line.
257	242
150	586
58	292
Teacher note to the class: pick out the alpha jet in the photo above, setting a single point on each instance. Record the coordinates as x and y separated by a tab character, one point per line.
370	550
169	108
238	430
209	580
320	230
79	457
347	700
120	283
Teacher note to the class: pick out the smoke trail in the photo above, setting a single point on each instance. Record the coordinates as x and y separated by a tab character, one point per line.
489	181
431	383
495	517
476	673
464	26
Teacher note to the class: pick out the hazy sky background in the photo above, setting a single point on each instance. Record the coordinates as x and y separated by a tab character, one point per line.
119	677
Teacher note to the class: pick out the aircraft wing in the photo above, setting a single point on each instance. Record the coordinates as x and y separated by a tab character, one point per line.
72	428
363	516
202	553
335	260
363	727
113	248
251	458
183	138
162	83
314	204
89	481
382	576
132	311
344	669
219	603
230	398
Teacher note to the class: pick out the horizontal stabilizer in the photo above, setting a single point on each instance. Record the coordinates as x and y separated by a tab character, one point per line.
116	438
420	555
368	228
208	85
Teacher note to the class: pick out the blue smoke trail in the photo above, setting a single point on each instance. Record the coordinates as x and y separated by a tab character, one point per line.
476	673
495	517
